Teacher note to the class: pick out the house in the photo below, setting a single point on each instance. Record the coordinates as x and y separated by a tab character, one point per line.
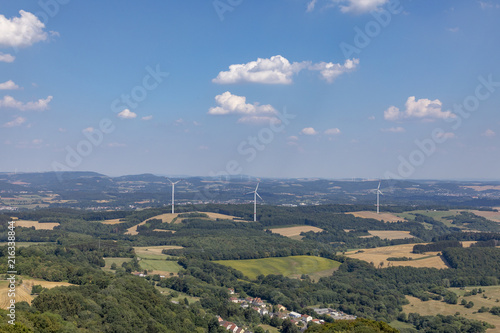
295	315
306	318
280	308
322	311
231	291
234	299
263	312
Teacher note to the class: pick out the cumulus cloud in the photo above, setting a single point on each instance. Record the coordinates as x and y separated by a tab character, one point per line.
393	130
489	133
278	70
88	130
330	71
127	114
445	135
332	131
147	118
309	131
18	121
5	57
11	102
21	31
420	109
9	85
250	113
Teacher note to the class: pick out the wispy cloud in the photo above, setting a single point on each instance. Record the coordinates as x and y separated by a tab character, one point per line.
489	133
5	57
18	121
393	130
332	131
147	118
455	29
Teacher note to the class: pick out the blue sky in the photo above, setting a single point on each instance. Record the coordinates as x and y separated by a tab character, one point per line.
373	88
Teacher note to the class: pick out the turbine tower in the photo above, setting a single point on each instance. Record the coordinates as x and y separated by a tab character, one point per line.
378	197
255	195
173	192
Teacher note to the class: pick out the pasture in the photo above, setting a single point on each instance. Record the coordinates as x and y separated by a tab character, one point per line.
118	261
160	266
432	307
386	217
23	291
113	221
293	266
294	232
438	215
380	254
143	251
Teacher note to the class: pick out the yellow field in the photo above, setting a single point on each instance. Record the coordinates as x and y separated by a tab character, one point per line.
386	217
389	234
484	187
222	216
163	230
23	291
113	221
36	224
380	254
493	216
432	308
294	232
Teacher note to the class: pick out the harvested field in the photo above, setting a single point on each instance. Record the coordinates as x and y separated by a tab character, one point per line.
386	217
493	216
114	221
23	291
481	188
165	218
145	250
163	230
36	224
389	234
294	232
380	254
432	308
160	266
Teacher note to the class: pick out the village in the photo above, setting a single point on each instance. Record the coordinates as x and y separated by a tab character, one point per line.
263	308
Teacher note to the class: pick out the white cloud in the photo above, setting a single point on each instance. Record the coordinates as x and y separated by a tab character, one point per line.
278	70
371	118
21	31
275	70
293	138
127	114
147	118
422	109
332	131
37	141
88	130
5	57
16	122
456	29
489	133
330	71
9	85
62	130
116	145
309	131
250	113
488	5
360	6
11	102
394	130
311	5
179	122
445	135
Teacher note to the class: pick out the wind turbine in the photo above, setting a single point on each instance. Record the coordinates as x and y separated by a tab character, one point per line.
173	192
378	197
255	195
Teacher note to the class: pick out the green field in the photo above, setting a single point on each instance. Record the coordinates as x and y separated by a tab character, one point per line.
294	266
25	244
117	261
437	215
160	266
181	296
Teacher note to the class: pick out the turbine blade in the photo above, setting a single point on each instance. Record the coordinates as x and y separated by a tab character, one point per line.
259	196
378	188
257	187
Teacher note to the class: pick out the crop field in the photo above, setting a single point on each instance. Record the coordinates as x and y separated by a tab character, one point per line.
23	291
493	216
389	234
438	215
36	224
294	232
293	267
386	217
154	250
380	254
160	266
26	244
28	201
113	221
484	187
432	307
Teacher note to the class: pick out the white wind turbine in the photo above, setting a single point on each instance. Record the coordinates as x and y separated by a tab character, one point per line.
378	197
255	195
173	192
